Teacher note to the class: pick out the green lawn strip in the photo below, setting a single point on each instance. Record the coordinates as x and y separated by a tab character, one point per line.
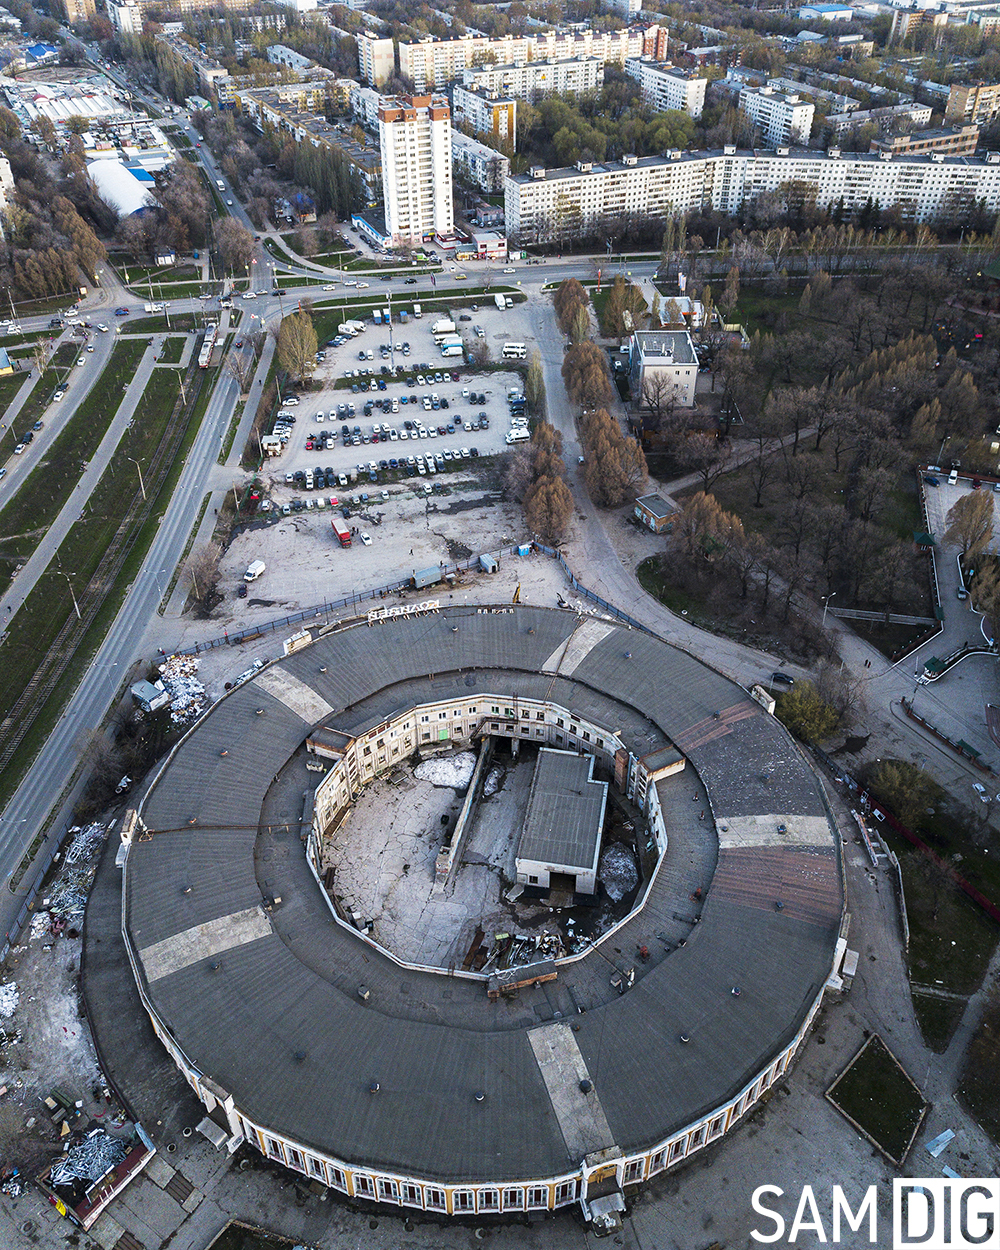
47	607
56	371
53	304
14	341
158	324
756	310
880	1099
681	601
45	490
138	275
286	281
951	939
938	1018
250	455
53	707
9	387
978	1088
173	350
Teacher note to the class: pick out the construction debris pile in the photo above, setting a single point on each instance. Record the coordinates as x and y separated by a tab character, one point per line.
187	694
67	899
96	1155
514	950
9	997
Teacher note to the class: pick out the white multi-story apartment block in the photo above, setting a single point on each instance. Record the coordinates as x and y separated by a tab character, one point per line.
537	78
781	118
434	62
415	142
484	166
279	54
376	58
486	113
888	119
557	204
125	17
666	86
128	15
628	9
365	104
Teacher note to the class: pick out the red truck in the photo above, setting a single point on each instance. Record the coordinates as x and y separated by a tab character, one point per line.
341	530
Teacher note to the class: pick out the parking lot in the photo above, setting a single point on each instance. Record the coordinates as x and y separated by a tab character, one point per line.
428	390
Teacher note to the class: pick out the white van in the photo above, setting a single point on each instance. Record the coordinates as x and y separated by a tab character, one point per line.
953	478
518	435
254	571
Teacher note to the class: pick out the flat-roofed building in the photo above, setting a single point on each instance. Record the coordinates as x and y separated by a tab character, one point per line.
481	165
537	78
666	86
376	58
431	62
561	838
487	113
780	118
654	512
78	10
891	115
666	360
415	143
952	141
979	102
280	54
547	205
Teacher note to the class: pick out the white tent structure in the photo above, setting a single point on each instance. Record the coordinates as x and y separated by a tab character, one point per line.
119	188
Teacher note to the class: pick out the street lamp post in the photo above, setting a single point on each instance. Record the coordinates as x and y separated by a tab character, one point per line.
142	486
826	605
76	606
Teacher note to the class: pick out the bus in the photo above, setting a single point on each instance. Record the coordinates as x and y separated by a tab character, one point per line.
514	351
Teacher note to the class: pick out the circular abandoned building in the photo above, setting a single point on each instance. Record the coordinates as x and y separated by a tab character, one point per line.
342	990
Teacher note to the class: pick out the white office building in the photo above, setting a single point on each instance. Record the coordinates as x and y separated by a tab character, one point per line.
663	359
666	86
537	78
780	118
415	141
376	58
547	205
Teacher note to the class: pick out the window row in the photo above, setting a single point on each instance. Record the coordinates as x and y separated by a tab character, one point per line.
411	1194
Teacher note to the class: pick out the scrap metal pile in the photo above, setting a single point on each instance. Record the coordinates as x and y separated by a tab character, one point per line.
67	899
187	694
516	950
87	1162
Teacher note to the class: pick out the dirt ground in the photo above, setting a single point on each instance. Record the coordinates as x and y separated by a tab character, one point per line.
409	531
45	1041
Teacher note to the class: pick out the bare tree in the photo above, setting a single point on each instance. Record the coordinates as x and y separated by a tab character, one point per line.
970	522
203	570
